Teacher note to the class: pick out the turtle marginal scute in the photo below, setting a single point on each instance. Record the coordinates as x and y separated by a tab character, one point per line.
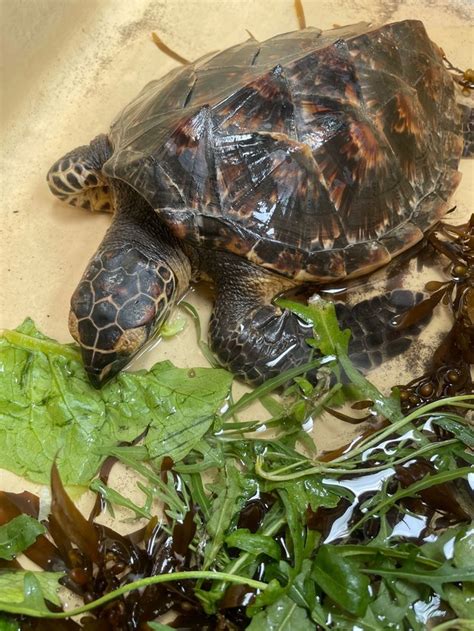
448	183
453	145
324	266
430	210
402	238
363	258
288	261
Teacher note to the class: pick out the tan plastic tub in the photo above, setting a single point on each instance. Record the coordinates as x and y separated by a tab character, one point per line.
68	66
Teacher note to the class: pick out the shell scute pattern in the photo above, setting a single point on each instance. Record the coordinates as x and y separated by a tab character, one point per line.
314	154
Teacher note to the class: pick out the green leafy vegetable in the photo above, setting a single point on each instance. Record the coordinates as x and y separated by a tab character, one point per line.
458	428
184	403
157	626
251	520
9	625
224	508
283	615
254	543
341	580
25	592
173	326
18	534
49	411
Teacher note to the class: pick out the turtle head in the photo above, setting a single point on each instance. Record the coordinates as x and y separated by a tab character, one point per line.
120	303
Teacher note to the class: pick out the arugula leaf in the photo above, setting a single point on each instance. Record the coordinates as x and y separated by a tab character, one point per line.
330	340
460	430
341	580
461	600
18	534
24	592
111	496
49	411
254	543
429	480
387	608
435	578
283	615
464	549
295	528
225	506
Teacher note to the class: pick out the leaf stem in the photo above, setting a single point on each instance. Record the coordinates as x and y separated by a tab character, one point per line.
34	344
385	433
144	582
268	387
267	475
420	485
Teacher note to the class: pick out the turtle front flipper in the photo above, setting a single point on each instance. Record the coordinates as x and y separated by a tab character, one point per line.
77	177
257	340
251	337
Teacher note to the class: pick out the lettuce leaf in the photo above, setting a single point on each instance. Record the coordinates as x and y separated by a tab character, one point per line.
48	410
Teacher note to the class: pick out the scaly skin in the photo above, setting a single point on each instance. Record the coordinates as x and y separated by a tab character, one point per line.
128	288
257	340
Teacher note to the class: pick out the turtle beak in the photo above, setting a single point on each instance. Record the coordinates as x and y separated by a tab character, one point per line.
117	348
98	377
95	379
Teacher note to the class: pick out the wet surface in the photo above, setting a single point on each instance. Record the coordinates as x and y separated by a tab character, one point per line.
71	68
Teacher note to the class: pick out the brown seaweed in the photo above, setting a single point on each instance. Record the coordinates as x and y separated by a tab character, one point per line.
449	373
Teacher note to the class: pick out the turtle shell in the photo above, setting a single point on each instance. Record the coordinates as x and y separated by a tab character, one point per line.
317	154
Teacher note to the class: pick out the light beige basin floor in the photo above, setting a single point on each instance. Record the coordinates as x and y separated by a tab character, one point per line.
68	67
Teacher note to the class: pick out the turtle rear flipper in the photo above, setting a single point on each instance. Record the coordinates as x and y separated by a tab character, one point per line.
374	339
77	177
257	340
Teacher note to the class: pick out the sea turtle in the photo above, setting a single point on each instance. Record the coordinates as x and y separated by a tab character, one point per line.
312	157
